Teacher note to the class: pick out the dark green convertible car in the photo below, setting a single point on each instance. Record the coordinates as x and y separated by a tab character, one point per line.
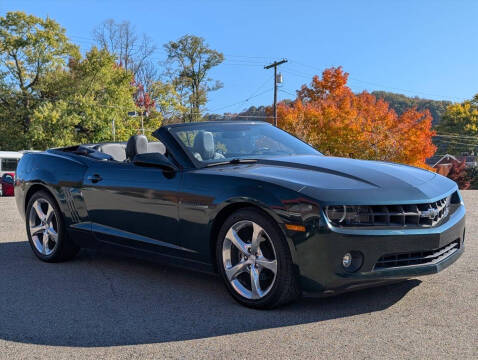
270	214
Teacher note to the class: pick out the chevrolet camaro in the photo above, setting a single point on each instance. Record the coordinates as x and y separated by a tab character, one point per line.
269	213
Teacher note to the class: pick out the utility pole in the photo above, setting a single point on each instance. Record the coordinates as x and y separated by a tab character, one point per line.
113	129
142	121
275	65
141	113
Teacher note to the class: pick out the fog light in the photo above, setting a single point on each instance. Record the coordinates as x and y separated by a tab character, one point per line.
352	261
347	260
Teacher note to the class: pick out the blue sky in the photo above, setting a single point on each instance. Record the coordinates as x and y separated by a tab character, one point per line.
423	48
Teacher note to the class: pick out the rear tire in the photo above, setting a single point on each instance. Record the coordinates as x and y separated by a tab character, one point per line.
254	261
46	229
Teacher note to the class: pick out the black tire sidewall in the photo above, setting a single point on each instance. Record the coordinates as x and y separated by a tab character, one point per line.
54	256
284	261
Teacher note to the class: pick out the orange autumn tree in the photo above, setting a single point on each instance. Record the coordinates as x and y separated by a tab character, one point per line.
330	117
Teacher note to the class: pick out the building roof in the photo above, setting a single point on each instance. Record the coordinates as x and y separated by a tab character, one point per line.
448	159
10	154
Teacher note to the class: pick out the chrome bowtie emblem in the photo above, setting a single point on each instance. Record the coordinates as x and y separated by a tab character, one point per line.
430	213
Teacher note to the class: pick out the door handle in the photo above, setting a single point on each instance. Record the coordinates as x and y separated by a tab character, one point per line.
95	178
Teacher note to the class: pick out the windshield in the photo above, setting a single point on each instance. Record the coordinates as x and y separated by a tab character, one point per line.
209	143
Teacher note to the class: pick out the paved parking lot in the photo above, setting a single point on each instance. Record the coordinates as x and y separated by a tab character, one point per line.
106	306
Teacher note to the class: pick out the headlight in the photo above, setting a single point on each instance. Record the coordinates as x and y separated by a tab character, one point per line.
348	215
336	213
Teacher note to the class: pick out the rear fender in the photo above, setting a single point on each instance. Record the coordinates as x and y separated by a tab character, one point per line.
60	175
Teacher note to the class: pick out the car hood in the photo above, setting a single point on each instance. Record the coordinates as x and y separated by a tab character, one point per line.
348	181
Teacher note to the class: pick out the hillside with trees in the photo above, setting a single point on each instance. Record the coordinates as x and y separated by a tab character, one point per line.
401	103
398	102
253	113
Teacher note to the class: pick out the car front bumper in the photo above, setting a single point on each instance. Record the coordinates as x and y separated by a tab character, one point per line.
320	251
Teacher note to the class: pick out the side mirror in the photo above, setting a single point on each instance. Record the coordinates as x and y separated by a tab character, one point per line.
155	160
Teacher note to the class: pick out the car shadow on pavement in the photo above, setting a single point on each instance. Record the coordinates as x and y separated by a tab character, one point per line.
108	300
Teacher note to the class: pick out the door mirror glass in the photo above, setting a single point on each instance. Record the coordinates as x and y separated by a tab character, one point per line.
154	160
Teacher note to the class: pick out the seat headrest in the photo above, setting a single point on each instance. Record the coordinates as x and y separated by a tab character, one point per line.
137	144
117	151
157	147
204	145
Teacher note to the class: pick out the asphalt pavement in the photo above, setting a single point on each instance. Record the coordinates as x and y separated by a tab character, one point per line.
103	306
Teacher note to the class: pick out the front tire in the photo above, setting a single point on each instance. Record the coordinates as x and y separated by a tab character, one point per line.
255	262
46	229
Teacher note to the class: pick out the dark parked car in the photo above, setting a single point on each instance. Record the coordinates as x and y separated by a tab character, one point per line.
269	213
7	184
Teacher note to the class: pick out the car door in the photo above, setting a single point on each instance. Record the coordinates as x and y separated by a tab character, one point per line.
132	205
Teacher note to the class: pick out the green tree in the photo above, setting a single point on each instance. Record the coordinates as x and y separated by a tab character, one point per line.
30	47
168	102
458	128
193	59
81	102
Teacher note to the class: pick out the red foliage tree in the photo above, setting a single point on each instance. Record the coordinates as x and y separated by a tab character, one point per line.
142	98
329	116
459	175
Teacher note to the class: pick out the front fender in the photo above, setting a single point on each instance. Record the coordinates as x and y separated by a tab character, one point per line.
285	206
208	198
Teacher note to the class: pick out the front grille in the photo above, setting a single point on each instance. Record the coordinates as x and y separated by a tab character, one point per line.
406	215
417	258
416	214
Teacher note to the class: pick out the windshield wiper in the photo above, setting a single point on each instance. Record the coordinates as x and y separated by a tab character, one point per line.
233	162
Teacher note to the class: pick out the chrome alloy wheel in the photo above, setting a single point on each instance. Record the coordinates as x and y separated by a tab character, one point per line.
249	258
43	226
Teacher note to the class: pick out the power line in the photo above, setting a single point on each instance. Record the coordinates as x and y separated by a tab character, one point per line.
236	64
94	42
459	143
287	92
243	101
54	99
451	135
247	116
239	62
380	85
253	95
456	142
260	87
455	139
288	71
255	61
248	57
